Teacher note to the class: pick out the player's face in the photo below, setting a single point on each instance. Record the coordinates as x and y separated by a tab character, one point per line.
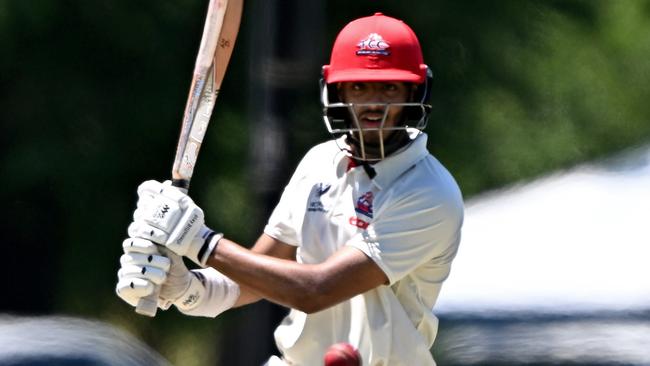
371	100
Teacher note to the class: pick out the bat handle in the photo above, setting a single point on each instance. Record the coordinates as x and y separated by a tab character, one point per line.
149	305
182	184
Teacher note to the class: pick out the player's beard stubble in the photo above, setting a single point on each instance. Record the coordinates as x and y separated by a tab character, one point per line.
372	130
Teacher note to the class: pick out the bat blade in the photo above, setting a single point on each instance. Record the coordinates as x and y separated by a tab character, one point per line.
217	43
212	61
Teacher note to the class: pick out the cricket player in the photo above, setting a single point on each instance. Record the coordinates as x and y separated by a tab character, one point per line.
363	235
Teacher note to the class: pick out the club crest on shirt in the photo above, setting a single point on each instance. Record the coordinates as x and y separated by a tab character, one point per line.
315	204
364	204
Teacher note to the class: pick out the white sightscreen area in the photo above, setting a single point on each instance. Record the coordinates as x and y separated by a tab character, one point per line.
574	241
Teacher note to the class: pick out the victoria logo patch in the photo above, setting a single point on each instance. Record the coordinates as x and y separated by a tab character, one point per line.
315	203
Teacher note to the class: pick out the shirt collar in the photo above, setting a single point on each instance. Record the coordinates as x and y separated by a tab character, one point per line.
393	166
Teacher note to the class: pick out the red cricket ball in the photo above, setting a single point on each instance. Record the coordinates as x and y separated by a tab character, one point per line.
342	354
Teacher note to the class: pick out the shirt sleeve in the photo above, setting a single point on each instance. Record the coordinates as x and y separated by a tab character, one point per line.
282	225
413	231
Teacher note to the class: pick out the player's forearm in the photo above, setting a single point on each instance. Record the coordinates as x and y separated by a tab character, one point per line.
247	296
286	282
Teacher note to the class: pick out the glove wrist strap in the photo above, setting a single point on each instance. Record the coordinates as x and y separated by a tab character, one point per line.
202	245
209	244
220	294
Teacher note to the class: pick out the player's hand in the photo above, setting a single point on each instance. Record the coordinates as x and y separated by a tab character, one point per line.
143	268
169	217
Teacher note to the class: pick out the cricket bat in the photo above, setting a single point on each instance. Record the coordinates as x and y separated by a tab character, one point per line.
217	43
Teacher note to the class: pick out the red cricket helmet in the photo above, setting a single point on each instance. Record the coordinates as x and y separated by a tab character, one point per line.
376	48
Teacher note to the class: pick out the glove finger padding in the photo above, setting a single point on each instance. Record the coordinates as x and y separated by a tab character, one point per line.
153	187
139	245
142	259
153	274
145	260
144	252
142	230
150	187
131	290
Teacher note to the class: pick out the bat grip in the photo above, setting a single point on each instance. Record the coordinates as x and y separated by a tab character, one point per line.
149	305
182	184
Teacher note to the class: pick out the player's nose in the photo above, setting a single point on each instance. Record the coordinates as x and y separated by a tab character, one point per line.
375	107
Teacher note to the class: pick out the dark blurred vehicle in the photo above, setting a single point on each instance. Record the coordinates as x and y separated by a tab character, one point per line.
70	341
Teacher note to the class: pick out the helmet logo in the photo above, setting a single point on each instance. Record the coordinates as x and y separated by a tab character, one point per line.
373	45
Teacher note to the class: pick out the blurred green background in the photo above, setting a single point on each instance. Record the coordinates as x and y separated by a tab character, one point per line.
92	94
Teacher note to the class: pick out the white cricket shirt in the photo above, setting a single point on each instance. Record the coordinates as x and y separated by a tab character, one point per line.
407	219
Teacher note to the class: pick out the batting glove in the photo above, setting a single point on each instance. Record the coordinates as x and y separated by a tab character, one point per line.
143	268
169	217
204	292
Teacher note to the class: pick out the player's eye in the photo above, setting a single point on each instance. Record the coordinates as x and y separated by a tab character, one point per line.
390	87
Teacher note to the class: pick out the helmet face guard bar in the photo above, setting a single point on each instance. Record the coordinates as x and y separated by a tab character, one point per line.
341	119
